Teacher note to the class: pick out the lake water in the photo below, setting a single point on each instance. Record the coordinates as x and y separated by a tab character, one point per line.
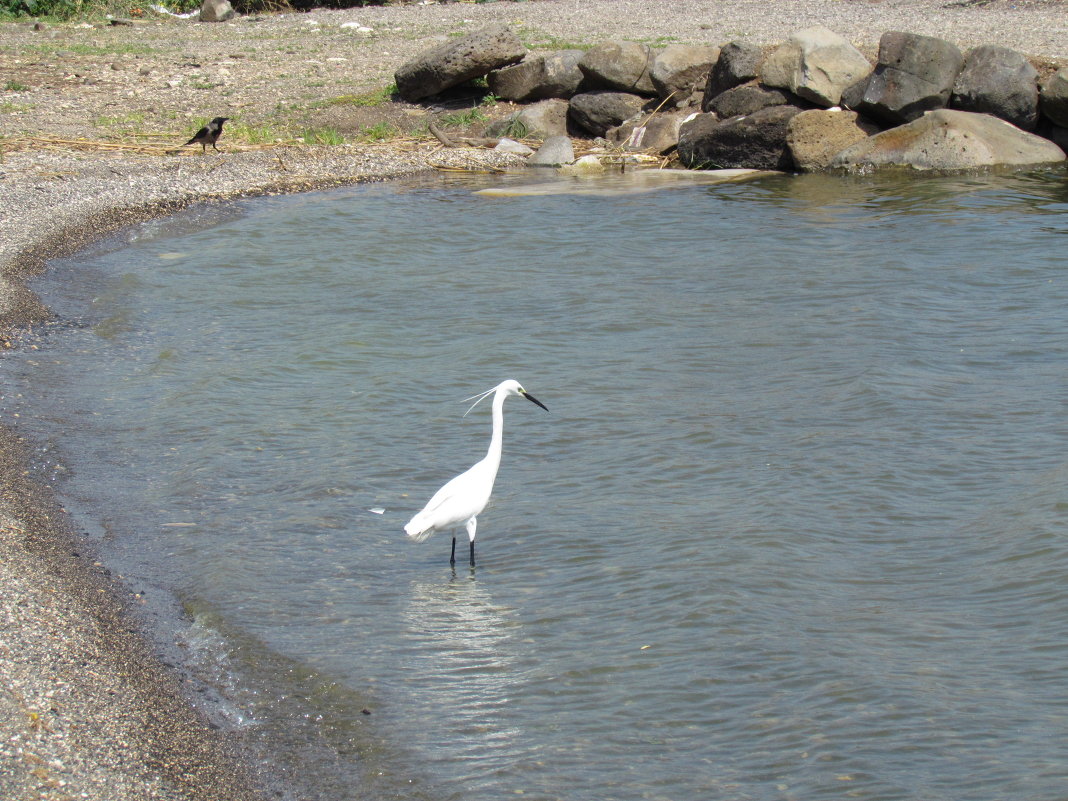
794	527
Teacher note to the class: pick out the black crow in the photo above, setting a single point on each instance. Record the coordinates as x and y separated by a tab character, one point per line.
209	134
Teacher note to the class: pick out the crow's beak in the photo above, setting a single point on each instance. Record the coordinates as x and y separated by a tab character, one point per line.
532	399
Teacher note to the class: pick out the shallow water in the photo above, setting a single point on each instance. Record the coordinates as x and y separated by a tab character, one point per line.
794	527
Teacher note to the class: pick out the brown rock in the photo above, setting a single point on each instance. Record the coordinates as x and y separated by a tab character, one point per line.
815	137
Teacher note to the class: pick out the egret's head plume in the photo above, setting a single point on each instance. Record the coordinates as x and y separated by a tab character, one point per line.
478	399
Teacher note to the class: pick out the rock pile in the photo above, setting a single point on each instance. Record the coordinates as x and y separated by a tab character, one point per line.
815	102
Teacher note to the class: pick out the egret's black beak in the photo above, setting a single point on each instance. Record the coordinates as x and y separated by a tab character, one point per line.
532	399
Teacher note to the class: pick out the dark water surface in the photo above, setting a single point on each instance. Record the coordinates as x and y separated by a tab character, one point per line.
795	527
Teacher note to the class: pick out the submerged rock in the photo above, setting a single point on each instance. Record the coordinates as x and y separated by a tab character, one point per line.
816	136
757	141
950	140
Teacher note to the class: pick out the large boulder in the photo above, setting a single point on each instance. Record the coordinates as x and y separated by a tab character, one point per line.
596	112
947	139
816	136
815	64
658	133
999	81
914	74
746	99
738	63
619	65
453	63
680	70
757	141
538	77
1055	97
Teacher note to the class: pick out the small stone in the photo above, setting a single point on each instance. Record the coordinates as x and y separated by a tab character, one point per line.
587	165
216	11
554	151
506	145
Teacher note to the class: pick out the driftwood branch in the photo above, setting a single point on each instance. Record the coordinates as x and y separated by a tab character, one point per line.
460	141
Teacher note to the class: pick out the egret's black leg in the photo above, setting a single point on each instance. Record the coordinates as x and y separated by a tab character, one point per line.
452	558
472	553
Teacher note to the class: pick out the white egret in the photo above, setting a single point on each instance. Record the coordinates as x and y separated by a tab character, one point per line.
464	498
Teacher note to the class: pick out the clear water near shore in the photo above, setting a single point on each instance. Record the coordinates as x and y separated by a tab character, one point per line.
793	529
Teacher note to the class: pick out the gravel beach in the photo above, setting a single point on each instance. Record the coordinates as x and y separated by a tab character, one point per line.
88	710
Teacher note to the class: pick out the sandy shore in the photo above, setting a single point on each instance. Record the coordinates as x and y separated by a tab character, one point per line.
87	710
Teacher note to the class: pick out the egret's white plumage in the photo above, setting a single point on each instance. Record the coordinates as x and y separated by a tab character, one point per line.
461	500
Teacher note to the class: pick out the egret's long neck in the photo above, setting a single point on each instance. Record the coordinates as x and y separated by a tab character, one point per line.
493	456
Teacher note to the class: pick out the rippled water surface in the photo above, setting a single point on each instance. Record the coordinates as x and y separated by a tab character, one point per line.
794	527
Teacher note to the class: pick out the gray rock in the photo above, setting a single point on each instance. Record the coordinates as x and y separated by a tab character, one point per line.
1057	135
745	100
619	65
914	74
537	121
999	81
544	119
538	77
657	133
815	64
562	74
554	151
853	95
757	141
596	112
216	11
946	139
738	63
1054	102
816	136
517	82
507	145
679	70
454	62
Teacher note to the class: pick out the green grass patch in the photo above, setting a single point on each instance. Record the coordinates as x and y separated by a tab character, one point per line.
323	136
379	132
134	120
460	119
535	40
377	97
15	86
81	49
263	134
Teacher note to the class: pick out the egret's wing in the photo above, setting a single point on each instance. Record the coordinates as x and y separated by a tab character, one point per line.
459	500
